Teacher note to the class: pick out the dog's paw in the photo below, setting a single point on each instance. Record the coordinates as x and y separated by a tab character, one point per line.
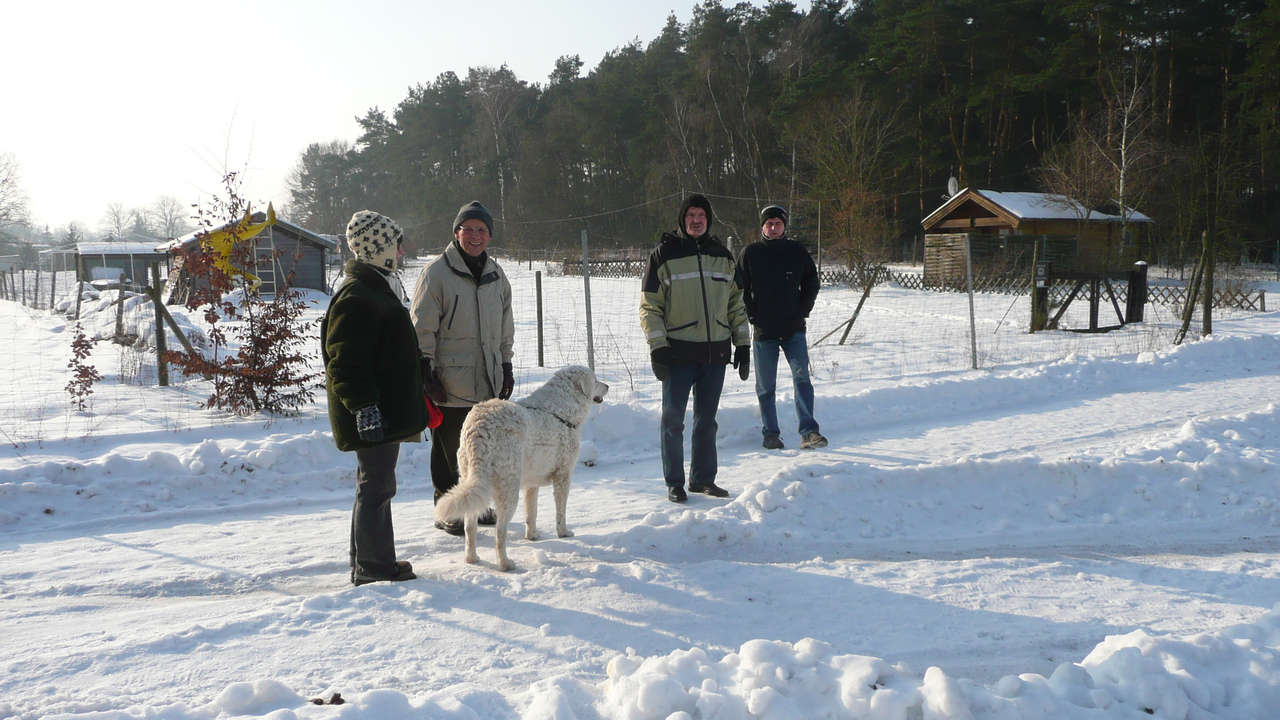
506	565
531	535
473	559
564	532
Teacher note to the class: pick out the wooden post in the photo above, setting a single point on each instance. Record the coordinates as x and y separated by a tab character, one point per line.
1188	310
79	292
24	285
162	370
537	282
1136	301
1039	289
35	302
1095	294
119	311
53	287
1207	321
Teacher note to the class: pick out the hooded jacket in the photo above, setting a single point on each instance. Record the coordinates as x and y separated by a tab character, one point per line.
370	358
464	325
691	297
779	286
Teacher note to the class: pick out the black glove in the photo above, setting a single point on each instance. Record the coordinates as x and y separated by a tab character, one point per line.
508	382
431	383
369	424
742	361
660	359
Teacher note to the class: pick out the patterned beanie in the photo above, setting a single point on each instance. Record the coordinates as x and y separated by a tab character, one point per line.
374	239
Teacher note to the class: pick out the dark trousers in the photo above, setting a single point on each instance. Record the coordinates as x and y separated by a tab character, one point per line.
706	382
444	449
373	549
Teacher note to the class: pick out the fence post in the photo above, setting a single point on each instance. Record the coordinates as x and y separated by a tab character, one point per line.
24	285
120	309
1040	296
53	287
1137	299
35	302
1206	322
79	293
819	239
586	286
968	274
162	370
537	282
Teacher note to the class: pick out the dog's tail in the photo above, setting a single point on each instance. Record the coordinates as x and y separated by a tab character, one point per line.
460	502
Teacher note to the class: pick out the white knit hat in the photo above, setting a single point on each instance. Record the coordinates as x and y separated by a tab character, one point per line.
374	238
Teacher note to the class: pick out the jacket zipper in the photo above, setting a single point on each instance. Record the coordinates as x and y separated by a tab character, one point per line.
702	283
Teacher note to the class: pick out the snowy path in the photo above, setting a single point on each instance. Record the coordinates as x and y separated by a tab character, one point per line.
157	612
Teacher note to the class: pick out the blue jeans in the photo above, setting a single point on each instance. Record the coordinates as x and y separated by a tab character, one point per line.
765	359
706	382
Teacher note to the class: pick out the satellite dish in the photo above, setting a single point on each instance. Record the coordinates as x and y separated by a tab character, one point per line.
953	186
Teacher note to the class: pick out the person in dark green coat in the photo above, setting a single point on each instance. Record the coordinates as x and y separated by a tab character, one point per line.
374	386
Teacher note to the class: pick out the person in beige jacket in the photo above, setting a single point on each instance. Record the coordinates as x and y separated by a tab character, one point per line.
462	314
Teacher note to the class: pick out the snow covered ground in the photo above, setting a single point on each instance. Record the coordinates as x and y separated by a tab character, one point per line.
1086	527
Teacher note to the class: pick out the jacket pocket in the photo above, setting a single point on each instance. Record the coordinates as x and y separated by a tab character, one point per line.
678	328
452	313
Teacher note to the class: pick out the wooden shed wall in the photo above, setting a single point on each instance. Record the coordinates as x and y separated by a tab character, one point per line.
304	259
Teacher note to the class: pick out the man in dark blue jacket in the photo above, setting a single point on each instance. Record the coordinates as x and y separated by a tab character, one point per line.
779	287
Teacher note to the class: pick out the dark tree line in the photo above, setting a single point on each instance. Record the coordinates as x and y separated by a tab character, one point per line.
854	114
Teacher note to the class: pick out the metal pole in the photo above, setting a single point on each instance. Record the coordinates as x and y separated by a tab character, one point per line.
819	239
968	273
586	286
537	281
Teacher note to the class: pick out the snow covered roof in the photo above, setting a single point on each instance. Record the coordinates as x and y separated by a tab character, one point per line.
324	241
1031	206
116	247
1048	206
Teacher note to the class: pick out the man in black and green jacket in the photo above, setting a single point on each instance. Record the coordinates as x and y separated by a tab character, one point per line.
694	320
374	385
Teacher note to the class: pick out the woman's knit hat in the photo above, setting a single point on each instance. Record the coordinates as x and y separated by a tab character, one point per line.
374	239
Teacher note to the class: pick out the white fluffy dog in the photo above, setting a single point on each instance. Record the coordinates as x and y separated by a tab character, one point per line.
507	446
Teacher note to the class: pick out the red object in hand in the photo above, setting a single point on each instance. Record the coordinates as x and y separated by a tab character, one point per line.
434	416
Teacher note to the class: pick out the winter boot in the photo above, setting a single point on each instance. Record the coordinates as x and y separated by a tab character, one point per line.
813	440
711	489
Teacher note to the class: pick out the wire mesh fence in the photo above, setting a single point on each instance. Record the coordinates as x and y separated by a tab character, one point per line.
901	333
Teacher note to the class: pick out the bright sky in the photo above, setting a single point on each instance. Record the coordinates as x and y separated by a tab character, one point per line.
124	102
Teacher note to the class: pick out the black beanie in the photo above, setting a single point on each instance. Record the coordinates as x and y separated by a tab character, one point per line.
473	211
694	200
773	211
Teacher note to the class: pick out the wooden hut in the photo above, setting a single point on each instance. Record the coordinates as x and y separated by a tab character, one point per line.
1005	229
111	260
282	253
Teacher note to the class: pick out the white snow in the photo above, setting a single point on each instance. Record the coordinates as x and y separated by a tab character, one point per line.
1065	533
